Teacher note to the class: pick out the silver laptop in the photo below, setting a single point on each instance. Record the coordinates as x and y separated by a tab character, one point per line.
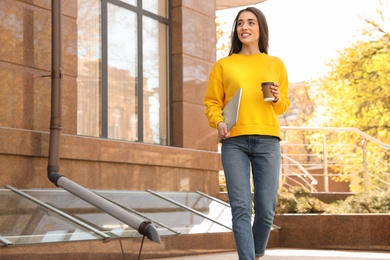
230	111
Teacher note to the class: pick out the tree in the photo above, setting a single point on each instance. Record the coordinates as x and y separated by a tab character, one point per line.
299	114
223	42
356	93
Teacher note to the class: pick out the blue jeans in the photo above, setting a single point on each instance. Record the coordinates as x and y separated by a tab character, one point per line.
262	155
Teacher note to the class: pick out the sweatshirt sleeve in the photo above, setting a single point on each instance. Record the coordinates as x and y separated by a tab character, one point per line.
215	96
281	106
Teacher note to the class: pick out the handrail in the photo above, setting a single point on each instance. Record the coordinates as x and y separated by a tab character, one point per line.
336	159
350	129
369	161
306	173
313	182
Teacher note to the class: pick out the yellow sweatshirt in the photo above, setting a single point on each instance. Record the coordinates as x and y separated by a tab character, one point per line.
256	117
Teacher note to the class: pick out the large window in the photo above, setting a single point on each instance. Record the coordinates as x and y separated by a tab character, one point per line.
123	70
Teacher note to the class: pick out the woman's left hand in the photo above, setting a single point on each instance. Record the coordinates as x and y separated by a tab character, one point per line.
275	91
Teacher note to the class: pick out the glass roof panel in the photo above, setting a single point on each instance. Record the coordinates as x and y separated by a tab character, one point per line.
178	218
88	213
55	215
211	208
24	222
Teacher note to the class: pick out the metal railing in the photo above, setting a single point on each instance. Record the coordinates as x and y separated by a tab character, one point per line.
296	174
320	154
326	155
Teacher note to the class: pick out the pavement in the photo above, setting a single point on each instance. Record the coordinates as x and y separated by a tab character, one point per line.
296	254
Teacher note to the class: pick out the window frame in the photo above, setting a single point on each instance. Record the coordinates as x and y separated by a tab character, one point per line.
140	12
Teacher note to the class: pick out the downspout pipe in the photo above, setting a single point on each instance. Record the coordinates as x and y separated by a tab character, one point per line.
143	226
53	167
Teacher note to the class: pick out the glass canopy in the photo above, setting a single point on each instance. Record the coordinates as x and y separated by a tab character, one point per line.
54	215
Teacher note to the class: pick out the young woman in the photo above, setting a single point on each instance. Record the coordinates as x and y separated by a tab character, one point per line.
253	142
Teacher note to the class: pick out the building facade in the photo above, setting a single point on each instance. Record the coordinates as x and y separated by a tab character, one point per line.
134	74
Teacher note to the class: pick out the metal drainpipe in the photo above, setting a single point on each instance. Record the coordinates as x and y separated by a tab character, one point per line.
143	226
56	104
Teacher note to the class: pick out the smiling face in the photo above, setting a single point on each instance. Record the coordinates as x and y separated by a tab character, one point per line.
248	31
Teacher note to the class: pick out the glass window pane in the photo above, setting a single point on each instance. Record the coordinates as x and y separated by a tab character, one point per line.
155	82
89	64
122	74
159	7
132	2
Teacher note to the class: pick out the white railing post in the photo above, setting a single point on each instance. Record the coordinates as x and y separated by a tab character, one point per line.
365	174
325	162
284	165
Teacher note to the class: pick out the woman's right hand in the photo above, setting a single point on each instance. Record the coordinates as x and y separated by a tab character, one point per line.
223	133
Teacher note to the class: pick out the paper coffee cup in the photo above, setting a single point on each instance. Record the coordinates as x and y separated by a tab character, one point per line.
266	87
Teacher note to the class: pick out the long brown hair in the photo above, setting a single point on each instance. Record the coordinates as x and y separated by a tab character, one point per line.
236	44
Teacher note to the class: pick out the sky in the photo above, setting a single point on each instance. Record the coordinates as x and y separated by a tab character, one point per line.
306	34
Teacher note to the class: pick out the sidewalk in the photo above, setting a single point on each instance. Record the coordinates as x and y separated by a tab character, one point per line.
296	254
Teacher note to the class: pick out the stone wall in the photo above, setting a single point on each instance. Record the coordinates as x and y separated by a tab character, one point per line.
326	231
191	162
